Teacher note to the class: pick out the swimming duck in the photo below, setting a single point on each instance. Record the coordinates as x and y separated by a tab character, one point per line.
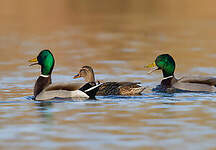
45	90
110	88
169	83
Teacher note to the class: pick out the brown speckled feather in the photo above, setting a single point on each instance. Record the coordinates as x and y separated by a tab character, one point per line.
120	88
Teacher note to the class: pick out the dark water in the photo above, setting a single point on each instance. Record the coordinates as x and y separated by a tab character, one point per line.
117	39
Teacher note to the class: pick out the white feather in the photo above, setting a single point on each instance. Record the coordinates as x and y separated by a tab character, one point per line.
47	95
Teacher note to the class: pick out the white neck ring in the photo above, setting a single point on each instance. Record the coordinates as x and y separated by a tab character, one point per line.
167	77
45	76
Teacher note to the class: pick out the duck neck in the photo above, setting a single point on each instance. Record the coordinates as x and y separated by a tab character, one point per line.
167	73
45	76
167	82
90	77
46	70
42	82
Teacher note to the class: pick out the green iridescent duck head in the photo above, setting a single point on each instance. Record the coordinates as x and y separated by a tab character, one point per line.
46	60
163	62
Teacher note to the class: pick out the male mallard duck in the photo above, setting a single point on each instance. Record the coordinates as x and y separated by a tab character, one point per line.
166	63
110	88
44	90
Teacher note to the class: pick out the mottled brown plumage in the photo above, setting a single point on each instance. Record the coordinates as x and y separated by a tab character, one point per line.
110	88
120	88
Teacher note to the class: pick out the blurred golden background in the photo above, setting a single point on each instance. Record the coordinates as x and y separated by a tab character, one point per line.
87	32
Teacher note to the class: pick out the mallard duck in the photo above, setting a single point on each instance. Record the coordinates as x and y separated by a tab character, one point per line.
45	90
169	83
110	88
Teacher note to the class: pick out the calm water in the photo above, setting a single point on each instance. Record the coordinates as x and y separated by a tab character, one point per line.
117	38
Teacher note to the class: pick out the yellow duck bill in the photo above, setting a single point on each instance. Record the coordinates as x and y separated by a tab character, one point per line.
153	67
33	60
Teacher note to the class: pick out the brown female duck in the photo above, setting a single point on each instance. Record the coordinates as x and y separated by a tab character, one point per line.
45	90
110	88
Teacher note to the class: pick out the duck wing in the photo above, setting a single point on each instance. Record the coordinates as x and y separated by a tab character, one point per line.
199	79
120	88
64	86
196	84
194	87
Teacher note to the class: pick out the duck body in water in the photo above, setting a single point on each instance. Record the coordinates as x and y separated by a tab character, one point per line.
110	88
45	90
169	83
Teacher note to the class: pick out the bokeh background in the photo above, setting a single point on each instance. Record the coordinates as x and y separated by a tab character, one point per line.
117	38
83	32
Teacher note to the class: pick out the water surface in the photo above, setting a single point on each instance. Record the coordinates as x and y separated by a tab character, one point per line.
116	38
